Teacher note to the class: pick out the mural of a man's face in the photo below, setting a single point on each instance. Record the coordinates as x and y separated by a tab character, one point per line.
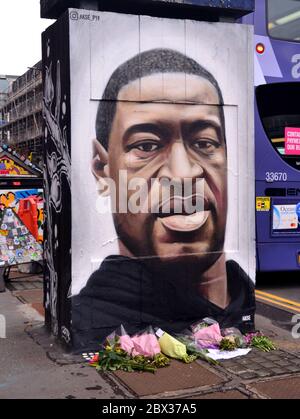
171	129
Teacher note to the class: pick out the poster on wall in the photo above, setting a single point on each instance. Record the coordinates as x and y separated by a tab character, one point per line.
162	167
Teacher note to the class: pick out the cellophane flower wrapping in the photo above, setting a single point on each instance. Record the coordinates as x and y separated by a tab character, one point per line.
173	347
240	340
125	340
201	324
126	344
146	343
208	337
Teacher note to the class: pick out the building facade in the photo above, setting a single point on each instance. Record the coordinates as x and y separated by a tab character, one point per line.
21	114
5	83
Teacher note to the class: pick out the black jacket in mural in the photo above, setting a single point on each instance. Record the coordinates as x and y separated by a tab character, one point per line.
123	291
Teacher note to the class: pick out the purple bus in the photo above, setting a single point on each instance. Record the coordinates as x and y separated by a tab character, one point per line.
277	133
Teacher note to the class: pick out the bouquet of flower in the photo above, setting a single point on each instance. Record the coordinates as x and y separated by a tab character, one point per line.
260	341
193	349
144	343
173	347
112	357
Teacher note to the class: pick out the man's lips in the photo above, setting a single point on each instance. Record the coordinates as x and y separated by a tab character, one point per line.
185	205
185	223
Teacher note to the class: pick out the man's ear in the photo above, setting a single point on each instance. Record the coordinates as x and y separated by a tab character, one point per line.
100	167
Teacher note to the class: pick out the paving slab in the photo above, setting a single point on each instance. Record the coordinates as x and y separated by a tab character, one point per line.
29	296
39	307
29	283
258	364
285	388
232	394
33	297
178	376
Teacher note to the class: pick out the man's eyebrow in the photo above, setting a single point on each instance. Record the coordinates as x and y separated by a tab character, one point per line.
144	127
201	124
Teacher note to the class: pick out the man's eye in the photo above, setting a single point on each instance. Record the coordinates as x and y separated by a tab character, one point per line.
206	146
144	149
147	147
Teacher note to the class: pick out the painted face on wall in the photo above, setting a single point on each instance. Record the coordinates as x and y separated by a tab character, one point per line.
170	129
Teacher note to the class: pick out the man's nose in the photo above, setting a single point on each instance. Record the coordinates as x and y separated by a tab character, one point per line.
179	164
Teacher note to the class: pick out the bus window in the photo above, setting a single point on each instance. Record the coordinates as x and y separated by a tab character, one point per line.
278	107
284	19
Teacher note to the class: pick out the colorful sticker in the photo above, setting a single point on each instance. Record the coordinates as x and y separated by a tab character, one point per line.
24	230
19	253
263	203
11	260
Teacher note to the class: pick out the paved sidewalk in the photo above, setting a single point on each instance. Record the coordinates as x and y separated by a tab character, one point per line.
32	365
258	375
26	371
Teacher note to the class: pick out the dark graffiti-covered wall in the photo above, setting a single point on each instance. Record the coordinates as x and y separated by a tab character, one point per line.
57	178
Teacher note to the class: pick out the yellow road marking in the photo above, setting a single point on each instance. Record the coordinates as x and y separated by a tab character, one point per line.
259	297
275	297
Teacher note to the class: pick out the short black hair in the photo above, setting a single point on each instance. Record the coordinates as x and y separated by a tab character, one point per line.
142	65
